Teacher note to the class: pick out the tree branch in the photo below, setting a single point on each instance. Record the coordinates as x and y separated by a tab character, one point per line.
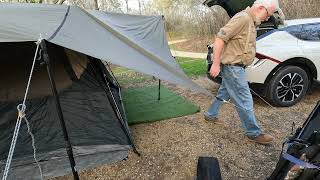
59	1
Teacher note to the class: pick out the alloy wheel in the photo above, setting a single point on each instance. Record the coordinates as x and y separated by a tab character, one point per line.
290	87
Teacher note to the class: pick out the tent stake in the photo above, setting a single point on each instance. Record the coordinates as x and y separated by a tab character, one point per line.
46	60
159	90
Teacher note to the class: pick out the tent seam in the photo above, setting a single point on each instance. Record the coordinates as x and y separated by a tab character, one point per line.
60	26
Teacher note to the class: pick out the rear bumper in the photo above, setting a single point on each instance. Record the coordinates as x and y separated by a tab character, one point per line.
259	71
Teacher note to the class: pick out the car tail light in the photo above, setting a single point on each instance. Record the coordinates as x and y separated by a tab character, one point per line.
262	56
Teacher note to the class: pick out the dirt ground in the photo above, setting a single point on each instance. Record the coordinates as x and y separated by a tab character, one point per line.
194	44
170	148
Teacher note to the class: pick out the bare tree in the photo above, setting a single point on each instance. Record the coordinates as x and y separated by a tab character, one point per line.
49	1
96	5
127	5
60	1
57	1
139	6
116	5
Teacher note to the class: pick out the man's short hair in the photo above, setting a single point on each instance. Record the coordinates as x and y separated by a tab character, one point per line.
270	3
267	3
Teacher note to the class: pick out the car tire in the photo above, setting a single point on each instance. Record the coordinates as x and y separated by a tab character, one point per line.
288	86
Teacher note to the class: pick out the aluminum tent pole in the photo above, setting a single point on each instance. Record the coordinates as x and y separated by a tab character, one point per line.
46	61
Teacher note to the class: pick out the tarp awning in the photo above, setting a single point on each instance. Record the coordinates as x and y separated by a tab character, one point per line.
134	42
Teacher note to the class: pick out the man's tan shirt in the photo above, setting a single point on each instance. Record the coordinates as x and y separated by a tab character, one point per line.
235	34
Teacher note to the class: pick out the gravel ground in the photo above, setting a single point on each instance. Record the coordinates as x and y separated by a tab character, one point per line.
170	148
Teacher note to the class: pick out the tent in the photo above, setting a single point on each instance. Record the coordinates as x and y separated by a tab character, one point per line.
71	85
97	130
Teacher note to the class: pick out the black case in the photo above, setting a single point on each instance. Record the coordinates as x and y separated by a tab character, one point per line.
308	134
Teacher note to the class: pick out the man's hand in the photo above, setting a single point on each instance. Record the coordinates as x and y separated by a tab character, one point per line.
214	70
218	47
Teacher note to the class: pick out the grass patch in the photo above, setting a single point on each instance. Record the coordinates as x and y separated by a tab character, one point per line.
171	36
173	46
133	79
127	76
193	67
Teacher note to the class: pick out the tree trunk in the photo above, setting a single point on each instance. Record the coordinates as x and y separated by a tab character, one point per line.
127	5
139	6
96	5
59	1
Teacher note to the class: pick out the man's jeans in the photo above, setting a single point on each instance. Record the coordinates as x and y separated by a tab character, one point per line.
234	86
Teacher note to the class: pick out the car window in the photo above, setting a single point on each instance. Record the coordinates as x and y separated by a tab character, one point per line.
310	32
295	30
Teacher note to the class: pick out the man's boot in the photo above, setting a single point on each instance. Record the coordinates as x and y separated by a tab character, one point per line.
214	120
262	139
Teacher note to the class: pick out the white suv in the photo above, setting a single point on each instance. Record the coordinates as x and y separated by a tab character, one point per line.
287	59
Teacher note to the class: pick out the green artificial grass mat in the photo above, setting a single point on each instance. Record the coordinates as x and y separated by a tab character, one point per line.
142	105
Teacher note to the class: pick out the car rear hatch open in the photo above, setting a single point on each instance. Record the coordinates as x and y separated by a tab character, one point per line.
234	6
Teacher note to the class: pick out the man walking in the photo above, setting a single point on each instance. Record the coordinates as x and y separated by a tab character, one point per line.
234	49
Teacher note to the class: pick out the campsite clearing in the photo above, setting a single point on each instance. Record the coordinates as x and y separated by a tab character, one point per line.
170	148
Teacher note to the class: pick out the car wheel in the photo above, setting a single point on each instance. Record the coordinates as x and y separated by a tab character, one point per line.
288	86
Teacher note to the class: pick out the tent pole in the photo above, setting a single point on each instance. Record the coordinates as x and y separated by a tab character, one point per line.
159	90
115	106
46	61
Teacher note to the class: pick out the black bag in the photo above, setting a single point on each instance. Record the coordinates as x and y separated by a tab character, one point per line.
209	58
208	169
304	145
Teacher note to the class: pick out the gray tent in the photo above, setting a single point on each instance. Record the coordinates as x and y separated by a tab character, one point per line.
135	42
77	41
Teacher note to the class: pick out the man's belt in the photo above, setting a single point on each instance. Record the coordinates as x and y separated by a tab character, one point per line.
236	64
